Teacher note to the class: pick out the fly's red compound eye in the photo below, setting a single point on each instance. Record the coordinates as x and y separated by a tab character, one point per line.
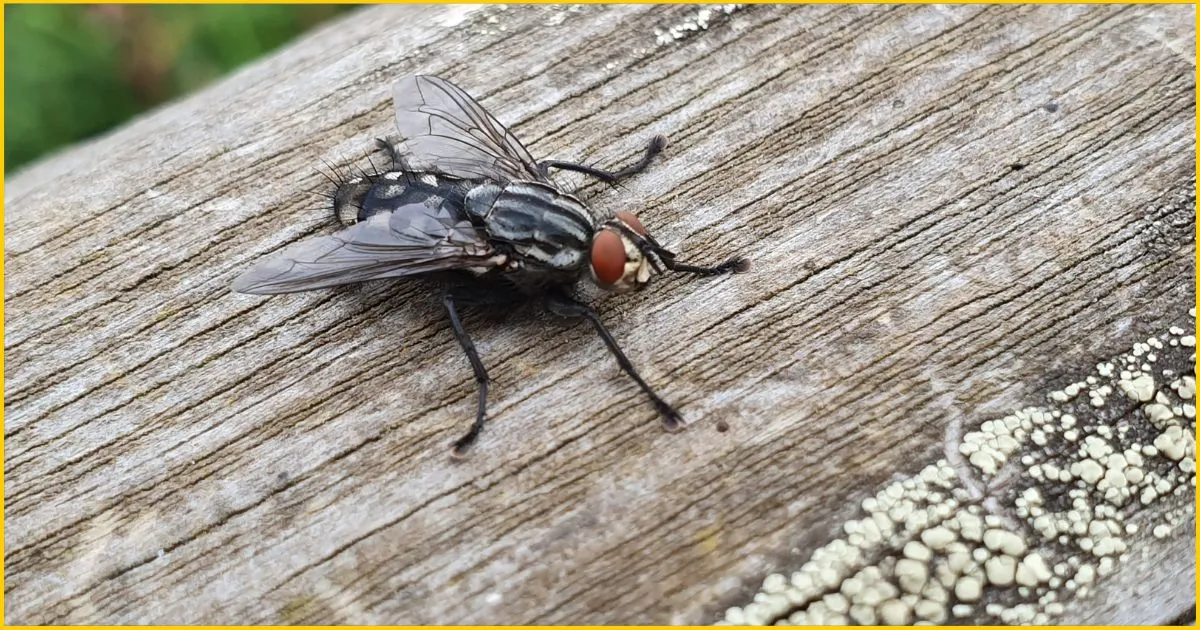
632	222
608	257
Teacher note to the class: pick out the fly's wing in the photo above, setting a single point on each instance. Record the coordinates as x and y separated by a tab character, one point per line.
411	239
447	131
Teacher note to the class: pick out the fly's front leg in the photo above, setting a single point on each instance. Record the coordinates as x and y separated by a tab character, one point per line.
481	377
568	307
737	264
657	144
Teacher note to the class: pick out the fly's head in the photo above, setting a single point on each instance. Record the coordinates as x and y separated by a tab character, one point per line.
623	254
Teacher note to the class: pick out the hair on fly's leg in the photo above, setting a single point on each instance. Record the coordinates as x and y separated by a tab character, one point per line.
398	163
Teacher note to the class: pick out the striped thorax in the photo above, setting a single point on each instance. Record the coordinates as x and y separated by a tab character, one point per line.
541	224
557	231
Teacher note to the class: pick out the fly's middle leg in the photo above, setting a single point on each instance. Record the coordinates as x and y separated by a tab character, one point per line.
568	307
481	377
657	144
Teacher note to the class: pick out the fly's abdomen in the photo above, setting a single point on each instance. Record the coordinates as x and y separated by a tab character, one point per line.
361	197
542	225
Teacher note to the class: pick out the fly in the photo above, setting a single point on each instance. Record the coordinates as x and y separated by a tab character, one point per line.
464	198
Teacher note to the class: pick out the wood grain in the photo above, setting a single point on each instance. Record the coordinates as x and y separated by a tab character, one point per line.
950	210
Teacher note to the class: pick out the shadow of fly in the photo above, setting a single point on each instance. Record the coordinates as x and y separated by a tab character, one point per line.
463	198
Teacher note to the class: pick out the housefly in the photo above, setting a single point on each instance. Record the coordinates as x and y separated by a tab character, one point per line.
464	198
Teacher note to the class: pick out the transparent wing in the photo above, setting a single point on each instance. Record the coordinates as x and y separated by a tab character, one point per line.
410	240
446	130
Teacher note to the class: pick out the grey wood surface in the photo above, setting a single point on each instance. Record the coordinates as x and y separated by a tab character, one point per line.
952	211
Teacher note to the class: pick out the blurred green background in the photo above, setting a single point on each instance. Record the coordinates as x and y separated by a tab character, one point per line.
73	71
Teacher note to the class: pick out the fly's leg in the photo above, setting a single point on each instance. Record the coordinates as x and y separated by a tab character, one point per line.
737	264
389	148
657	144
481	377
568	307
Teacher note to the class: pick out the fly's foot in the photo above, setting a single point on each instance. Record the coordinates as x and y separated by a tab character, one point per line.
671	419
481	375
657	144
463	443
737	264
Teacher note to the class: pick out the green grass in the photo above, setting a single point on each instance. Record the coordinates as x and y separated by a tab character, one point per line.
74	71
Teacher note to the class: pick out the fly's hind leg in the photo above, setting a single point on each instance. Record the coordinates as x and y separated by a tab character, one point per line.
481	376
389	149
567	307
657	144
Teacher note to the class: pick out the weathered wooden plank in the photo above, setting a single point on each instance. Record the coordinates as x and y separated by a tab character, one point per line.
952	212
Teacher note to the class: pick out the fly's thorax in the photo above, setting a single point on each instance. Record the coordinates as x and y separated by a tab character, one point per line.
543	226
481	199
618	262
